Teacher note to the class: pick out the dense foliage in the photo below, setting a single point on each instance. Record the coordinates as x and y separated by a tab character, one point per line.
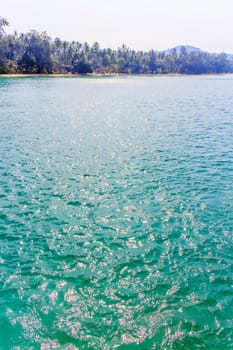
37	53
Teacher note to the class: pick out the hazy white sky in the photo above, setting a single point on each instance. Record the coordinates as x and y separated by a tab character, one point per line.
140	24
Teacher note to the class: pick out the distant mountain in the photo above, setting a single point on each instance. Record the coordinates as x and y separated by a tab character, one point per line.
182	48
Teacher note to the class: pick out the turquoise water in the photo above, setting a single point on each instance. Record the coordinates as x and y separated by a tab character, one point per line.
116	201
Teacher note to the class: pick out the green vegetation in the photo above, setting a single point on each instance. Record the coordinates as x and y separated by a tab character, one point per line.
37	53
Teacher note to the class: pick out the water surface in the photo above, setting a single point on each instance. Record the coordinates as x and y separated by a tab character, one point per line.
116	199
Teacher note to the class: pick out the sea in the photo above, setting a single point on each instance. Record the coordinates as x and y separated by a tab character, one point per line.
116	213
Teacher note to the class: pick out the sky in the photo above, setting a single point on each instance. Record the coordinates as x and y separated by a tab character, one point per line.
140	24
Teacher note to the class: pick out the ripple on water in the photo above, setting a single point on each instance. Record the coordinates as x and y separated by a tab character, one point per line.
115	217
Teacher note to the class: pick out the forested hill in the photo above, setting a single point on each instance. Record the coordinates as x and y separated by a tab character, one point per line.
37	53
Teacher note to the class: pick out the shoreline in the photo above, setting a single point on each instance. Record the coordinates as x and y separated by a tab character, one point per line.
68	75
20	75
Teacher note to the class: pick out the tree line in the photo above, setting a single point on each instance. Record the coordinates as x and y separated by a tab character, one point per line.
37	53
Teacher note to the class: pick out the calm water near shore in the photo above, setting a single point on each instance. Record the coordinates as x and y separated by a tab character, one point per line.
116	213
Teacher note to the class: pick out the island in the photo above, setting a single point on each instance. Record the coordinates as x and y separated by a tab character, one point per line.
37	53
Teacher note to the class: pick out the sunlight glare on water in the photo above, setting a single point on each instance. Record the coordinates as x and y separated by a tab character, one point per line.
116	198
